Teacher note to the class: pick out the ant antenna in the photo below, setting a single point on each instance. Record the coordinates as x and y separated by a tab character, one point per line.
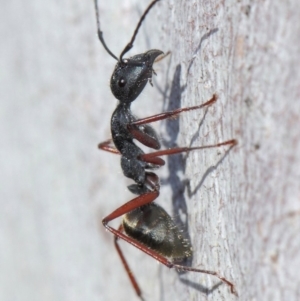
100	33
130	44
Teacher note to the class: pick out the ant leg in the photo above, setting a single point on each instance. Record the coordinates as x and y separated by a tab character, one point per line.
133	204
106	146
152	142
137	202
164	260
127	268
151	183
189	269
170	114
144	138
151	157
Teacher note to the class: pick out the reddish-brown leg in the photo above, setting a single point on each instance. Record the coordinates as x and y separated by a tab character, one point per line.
177	150
153	181
170	114
149	141
127	268
108	147
143	138
136	203
158	257
141	200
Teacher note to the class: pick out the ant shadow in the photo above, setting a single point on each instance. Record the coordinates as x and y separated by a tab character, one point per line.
204	37
198	287
176	164
207	172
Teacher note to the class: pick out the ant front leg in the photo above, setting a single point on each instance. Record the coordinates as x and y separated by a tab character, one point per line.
170	114
141	131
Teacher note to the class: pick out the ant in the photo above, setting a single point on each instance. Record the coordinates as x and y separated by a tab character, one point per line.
145	225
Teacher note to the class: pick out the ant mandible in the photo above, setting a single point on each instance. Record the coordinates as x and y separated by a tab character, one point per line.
145	225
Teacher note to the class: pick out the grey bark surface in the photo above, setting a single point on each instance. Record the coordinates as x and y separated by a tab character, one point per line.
240	208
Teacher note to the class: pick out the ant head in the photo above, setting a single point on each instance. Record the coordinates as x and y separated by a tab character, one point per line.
131	75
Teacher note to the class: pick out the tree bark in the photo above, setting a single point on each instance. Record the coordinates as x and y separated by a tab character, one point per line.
240	207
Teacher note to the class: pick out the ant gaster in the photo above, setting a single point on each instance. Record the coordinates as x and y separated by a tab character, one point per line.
146	225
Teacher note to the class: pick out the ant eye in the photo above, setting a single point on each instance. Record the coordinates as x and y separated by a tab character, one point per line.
122	82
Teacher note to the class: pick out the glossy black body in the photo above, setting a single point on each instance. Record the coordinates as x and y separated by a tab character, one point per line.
131	75
127	82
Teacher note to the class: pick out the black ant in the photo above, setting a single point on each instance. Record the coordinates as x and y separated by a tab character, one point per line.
146	225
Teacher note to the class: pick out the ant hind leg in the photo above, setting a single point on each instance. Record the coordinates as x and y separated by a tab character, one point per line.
126	266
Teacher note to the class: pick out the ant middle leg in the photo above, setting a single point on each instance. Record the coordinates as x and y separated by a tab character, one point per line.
154	156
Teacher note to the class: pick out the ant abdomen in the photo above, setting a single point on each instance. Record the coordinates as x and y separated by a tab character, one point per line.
152	226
